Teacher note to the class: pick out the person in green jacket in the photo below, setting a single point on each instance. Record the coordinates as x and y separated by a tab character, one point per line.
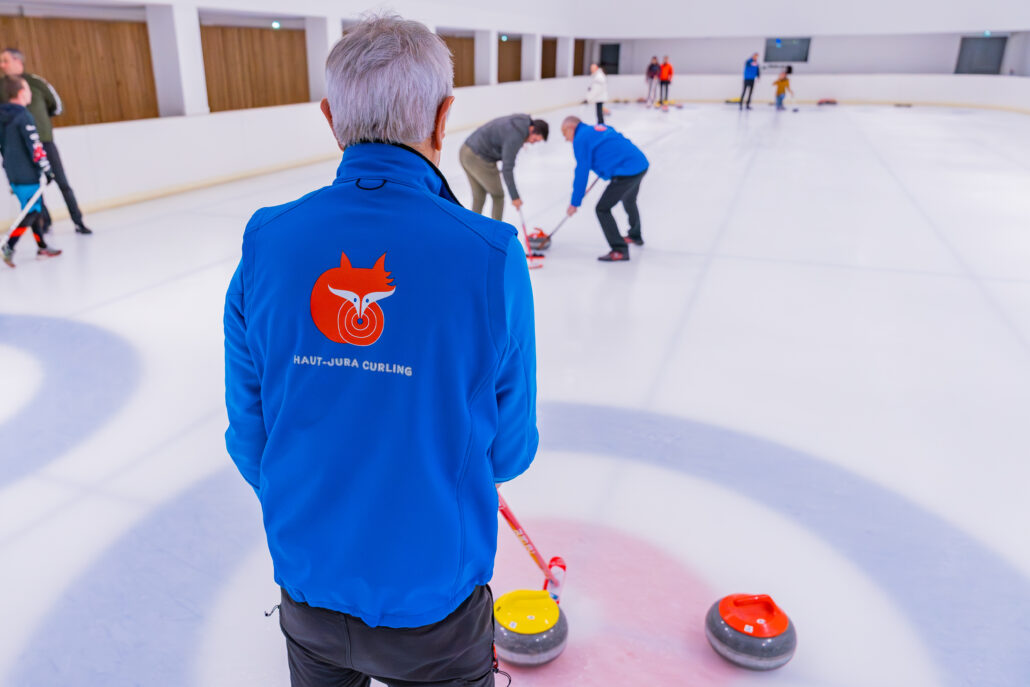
46	103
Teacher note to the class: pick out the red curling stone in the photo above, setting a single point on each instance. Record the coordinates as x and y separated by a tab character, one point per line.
751	631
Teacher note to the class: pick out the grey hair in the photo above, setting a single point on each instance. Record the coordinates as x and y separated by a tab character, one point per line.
386	79
15	53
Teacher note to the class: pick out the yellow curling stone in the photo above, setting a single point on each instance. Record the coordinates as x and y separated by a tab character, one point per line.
529	628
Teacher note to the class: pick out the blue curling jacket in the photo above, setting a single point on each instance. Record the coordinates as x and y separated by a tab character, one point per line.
380	378
607	152
751	70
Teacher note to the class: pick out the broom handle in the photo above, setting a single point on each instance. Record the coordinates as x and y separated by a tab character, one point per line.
25	210
525	232
555	230
523	536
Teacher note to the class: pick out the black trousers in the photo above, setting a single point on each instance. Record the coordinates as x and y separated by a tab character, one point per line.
600	113
330	649
664	97
624	190
749	88
33	220
62	182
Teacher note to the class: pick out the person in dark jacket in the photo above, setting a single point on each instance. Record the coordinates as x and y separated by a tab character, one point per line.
46	103
380	381
751	73
24	162
496	141
611	156
654	70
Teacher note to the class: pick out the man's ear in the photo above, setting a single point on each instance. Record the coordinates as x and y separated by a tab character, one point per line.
436	140
329	118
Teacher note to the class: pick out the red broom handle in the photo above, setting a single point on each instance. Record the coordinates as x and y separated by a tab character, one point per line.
523	536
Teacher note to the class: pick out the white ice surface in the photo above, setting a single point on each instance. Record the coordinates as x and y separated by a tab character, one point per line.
850	283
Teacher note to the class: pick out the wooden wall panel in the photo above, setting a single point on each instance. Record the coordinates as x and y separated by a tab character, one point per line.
101	69
463	49
579	66
509	60
254	67
549	59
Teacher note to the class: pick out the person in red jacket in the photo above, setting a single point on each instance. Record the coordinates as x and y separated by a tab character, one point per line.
665	78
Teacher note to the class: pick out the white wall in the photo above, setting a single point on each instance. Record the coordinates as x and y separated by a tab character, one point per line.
908	54
904	54
955	90
1017	55
708	18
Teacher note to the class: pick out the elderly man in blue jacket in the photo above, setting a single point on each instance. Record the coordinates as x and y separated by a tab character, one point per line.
611	156
380	381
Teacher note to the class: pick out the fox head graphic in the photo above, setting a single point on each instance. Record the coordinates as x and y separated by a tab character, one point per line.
344	301
362	287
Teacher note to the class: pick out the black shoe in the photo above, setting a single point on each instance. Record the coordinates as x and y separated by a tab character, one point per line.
634	240
615	256
82	229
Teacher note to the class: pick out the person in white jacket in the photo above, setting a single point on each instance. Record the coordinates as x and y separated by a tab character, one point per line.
598	91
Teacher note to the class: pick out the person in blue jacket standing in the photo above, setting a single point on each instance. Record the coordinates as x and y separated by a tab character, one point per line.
751	72
380	381
611	156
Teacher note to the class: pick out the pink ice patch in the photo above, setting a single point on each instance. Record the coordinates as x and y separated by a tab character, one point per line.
636	615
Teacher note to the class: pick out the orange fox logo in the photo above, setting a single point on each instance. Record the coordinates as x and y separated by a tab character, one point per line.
344	302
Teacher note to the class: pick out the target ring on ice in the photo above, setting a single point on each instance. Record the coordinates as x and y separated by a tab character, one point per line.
360	331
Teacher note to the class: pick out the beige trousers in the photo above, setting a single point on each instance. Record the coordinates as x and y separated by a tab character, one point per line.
485	178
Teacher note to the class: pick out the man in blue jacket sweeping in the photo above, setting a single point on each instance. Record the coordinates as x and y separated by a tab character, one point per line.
380	381
611	156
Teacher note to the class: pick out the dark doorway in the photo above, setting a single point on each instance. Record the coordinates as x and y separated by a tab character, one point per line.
610	58
981	55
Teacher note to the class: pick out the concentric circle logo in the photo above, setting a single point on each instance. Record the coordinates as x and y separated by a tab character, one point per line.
344	303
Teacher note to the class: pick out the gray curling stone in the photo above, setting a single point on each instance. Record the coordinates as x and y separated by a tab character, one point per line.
747	647
529	628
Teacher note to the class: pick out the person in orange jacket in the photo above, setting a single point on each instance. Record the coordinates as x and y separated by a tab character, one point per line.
665	78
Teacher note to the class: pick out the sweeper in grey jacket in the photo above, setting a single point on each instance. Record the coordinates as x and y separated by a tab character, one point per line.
498	141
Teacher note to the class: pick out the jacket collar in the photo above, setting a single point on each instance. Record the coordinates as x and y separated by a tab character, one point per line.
582	127
393	162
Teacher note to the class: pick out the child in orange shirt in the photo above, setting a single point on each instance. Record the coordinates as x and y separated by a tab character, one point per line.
783	86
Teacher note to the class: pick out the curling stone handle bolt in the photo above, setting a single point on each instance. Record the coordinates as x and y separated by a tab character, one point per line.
758	599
